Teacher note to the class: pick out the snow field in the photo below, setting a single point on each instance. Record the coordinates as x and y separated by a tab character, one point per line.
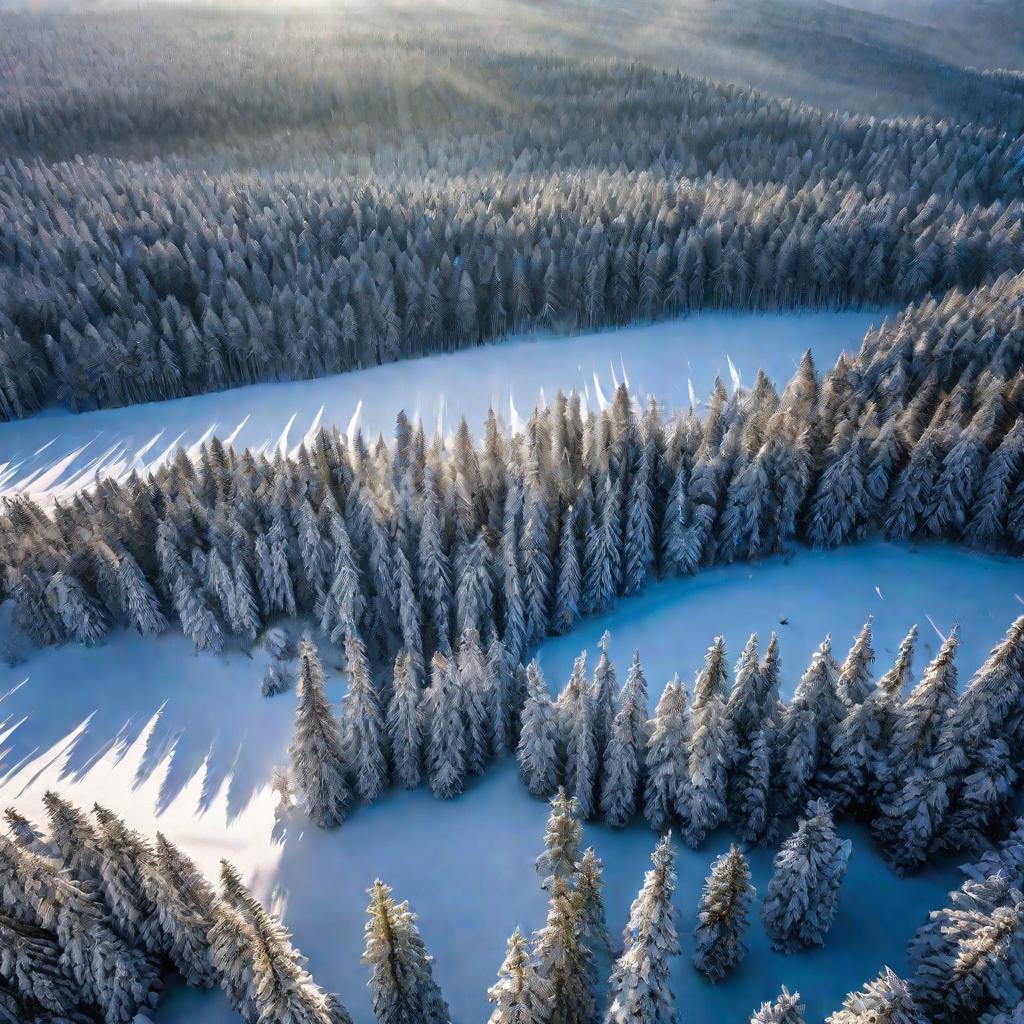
183	743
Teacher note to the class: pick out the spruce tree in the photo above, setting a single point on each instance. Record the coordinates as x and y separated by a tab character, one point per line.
802	896
477	690
751	812
125	858
562	838
723	916
405	735
184	903
622	774
517	995
604	693
589	886
361	725
807	729
232	949
316	755
401	971
74	837
885	1000
787	1009
667	778
641	992
854	682
711	748
446	746
563	962
537	751
580	742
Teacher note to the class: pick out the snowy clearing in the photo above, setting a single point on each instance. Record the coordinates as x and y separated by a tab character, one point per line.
184	743
58	452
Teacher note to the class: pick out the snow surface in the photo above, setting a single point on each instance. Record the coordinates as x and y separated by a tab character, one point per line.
56	452
184	743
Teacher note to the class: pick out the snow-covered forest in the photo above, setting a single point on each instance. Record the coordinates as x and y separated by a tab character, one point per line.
238	662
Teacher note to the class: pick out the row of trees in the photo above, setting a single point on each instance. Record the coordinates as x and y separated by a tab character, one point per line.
92	910
932	769
93	913
123	282
408	545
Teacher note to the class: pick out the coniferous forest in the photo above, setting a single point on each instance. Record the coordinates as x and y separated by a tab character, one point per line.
195	199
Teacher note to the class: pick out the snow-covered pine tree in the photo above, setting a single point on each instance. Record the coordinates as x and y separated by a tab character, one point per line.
537	751
110	974
446	742
589	890
519	995
125	859
711	748
361	725
603	689
806	731
751	811
74	836
787	1009
745	707
401	972
184	902
977	967
316	755
28	836
505	703
622	775
568	581
667	777
916	728
232	950
641	991
404	725
975	763
477	690
30	965
83	617
803	893
885	1000
854	684
562	838
140	602
889	695
577	727
723	916
563	962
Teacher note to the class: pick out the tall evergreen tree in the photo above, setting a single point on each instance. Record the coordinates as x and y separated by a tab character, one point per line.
538	749
802	896
518	995
622	776
446	746
401	971
641	990
667	777
723	916
561	841
887	998
316	755
404	725
787	1009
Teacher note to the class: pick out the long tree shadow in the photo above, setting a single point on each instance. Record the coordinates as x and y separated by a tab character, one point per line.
68	709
